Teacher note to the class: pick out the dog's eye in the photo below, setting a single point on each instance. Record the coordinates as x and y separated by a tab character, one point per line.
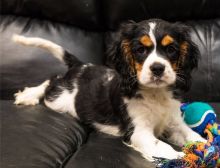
171	50
140	50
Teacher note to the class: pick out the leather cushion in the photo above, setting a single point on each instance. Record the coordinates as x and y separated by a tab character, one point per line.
84	14
107	14
206	81
37	137
106	151
116	11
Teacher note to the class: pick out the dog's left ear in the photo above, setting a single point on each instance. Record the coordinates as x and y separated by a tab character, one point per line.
189	55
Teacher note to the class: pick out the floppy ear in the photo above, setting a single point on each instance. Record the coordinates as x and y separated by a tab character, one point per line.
113	42
190	55
117	50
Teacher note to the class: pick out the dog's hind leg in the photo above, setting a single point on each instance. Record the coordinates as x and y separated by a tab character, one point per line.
31	95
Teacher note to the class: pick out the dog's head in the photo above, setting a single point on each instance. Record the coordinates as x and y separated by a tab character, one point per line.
153	54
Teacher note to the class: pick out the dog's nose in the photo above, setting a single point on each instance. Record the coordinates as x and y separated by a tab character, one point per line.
157	69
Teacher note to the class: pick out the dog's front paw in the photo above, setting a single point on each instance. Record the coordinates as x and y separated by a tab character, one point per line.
171	155
168	153
28	96
194	137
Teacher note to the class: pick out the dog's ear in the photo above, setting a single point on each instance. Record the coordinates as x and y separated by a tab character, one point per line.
113	41
190	55
117	47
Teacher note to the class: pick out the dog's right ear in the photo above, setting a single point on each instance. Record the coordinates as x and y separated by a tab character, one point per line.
118	55
113	40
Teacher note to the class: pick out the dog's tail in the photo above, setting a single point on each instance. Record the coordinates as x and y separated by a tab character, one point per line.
58	51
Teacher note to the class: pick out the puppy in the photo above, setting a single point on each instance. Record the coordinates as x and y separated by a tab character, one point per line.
135	95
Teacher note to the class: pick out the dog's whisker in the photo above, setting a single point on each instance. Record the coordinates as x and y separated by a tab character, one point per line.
180	80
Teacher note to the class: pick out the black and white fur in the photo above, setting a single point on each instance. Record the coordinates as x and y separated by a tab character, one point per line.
115	101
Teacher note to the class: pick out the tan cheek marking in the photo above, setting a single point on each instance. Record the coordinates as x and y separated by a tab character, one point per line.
138	67
183	53
126	47
135	67
146	41
183	49
128	54
175	66
167	40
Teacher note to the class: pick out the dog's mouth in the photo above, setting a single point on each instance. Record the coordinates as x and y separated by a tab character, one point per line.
157	81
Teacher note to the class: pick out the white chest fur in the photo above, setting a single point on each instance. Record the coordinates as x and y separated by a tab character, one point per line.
154	111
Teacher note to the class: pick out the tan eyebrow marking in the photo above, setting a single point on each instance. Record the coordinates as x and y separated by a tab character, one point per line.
146	41
167	40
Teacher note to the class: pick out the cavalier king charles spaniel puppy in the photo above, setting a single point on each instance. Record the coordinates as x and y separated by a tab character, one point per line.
136	95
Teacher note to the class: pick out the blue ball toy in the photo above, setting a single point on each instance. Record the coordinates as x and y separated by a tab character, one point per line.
197	115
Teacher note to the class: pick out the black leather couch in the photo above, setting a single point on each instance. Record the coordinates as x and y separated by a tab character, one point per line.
34	137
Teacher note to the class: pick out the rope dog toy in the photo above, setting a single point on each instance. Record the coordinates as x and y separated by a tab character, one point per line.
202	119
